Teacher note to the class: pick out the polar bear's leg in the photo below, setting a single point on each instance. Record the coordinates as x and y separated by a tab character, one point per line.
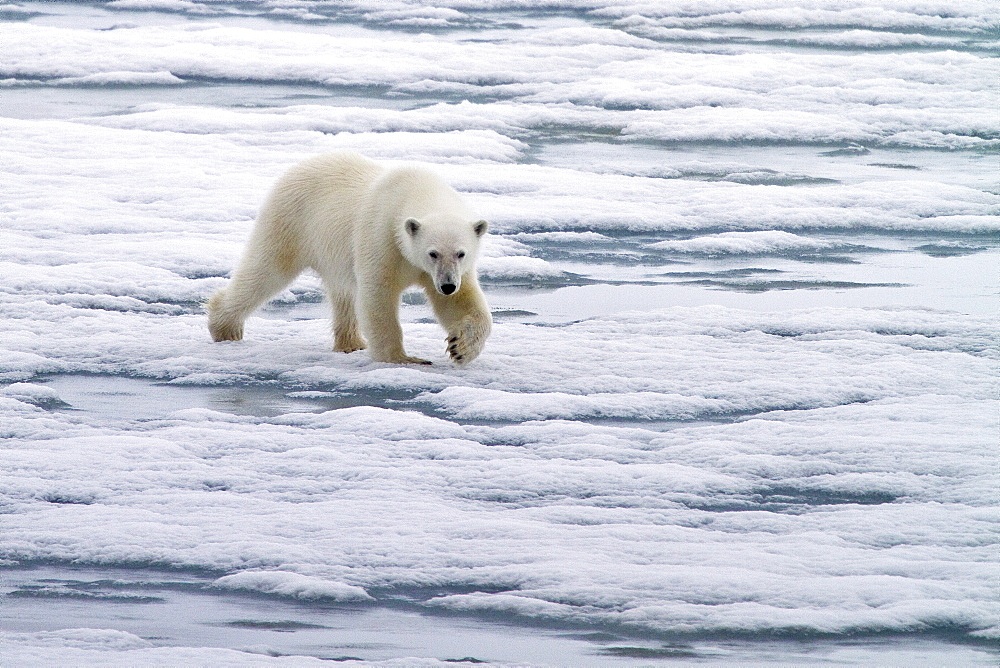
346	337
257	279
465	316
378	308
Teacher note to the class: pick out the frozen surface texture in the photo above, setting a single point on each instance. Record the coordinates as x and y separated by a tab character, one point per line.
744	269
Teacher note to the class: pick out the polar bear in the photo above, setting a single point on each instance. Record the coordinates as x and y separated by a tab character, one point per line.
369	232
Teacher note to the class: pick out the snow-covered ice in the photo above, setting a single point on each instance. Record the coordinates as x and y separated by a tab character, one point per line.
742	387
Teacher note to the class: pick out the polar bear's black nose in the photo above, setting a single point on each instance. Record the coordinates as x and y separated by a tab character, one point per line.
447	288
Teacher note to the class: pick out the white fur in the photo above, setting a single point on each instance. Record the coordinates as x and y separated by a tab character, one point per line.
369	233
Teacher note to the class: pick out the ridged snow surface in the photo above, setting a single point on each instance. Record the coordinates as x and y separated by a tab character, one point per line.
742	384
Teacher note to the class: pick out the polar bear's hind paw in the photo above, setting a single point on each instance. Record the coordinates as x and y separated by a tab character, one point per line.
414	360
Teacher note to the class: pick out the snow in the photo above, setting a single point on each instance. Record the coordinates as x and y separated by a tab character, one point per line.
744	242
291	584
743	261
100	647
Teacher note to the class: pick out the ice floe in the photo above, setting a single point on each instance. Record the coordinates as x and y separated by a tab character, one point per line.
742	380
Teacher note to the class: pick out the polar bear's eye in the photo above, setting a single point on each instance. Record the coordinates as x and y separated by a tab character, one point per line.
433	255
461	254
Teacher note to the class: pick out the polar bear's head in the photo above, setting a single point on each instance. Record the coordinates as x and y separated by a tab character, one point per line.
444	246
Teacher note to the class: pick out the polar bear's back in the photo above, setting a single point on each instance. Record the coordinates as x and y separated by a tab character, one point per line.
327	184
314	209
413	191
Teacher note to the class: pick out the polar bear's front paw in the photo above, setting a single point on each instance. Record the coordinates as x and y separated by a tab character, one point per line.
467	341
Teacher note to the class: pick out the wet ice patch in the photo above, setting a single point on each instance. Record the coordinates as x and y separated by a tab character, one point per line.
466	403
895	14
518	269
91	639
733	172
125	78
951	248
293	585
576	238
34	394
86	646
507	259
747	243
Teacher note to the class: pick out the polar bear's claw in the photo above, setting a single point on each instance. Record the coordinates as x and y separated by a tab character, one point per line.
466	344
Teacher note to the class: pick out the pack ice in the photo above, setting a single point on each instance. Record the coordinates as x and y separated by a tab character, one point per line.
743	265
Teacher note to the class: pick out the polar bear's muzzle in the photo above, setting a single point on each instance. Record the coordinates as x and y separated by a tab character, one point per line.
447	283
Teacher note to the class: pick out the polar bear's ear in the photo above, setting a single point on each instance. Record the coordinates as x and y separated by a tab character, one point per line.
480	228
412	226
